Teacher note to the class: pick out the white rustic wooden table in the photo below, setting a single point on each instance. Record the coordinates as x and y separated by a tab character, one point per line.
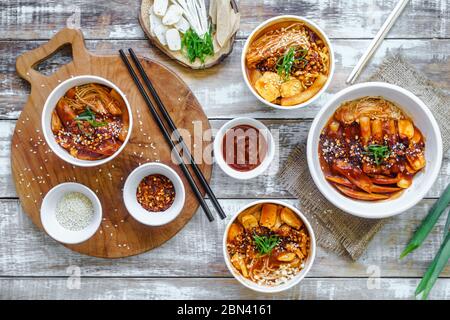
190	265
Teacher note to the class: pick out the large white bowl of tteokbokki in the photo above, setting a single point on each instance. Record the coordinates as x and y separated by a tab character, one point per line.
287	62
87	120
269	246
374	150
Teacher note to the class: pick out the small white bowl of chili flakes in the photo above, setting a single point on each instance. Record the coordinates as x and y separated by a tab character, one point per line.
154	194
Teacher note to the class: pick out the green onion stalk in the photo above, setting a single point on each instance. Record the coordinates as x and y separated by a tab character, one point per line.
428	223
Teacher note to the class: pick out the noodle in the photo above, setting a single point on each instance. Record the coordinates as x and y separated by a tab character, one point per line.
276	41
90	121
285	62
287	238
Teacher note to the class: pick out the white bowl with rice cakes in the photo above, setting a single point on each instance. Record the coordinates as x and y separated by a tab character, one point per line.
374	150
269	246
287	62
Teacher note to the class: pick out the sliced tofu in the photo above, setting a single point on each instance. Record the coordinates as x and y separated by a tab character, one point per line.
252	210
286	256
249	222
238	261
235	230
160	7
182	25
269	85
155	23
268	215
291	88
173	15
173	39
290	218
278	222
254	75
56	122
405	129
160	32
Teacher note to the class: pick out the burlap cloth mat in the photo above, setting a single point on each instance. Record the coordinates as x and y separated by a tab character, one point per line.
336	230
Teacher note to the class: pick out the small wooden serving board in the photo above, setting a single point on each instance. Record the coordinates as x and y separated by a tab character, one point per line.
36	169
178	56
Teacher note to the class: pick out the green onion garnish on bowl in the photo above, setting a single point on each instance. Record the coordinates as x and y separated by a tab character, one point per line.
287	61
266	244
89	116
378	153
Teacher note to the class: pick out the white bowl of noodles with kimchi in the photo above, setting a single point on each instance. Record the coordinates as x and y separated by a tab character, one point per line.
287	62
87	121
374	150
269	246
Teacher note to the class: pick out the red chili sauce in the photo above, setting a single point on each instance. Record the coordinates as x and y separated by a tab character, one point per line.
244	147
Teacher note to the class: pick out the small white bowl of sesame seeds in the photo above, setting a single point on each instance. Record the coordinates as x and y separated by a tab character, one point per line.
71	213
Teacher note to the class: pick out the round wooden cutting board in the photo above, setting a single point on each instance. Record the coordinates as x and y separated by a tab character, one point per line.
36	169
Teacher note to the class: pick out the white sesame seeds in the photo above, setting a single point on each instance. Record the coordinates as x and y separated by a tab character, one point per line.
74	211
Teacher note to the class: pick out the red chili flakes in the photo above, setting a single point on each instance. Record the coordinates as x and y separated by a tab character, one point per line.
155	193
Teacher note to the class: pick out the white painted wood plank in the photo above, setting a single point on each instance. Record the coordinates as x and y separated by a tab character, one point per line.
289	132
214	289
221	90
103	19
197	250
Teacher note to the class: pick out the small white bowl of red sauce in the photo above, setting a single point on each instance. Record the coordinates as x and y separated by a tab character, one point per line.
244	148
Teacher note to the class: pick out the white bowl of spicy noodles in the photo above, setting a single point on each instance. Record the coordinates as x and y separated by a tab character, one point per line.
87	121
287	62
269	246
374	150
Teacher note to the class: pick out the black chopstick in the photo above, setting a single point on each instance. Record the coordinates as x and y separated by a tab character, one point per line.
167	137
178	137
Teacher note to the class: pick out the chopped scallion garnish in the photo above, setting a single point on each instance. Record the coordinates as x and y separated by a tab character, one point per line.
378	153
287	61
89	116
195	46
266	244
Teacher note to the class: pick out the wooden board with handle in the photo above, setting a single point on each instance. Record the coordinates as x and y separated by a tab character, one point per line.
36	169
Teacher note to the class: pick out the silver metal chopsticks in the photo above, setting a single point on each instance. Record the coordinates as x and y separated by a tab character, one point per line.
377	41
